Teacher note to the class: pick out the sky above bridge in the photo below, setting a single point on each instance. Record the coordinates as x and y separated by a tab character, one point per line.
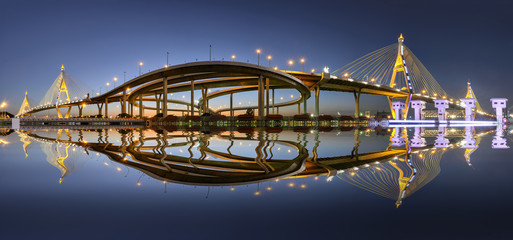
100	40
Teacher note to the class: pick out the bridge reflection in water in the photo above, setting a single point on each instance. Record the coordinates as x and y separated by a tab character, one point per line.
221	157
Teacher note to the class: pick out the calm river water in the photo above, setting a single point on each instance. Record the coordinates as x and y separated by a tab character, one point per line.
250	183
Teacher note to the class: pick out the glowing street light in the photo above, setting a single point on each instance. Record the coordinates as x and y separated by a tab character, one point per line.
269	58
115	80
275	68
291	63
4	115
258	51
140	65
302	60
233	58
313	70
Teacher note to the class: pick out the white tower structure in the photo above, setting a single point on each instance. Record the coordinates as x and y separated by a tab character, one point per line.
441	104
441	141
418	106
499	104
398	109
470	104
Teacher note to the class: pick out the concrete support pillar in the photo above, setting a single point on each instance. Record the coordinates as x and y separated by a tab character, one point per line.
317	92
273	100
141	108
157	103
299	108
106	108
231	104
192	97
442	105
80	107
204	98
260	97
164	103
123	104
304	103
266	96
418	106
132	109
499	104
356	104
398	109
100	107
470	104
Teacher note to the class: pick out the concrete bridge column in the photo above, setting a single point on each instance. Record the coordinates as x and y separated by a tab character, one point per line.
357	103
231	104
141	109
157	103
499	104
192	97
418	106
470	104
106	108
398	108
164	103
304	103
442	105
260	97
80	107
273	100
317	92
204	97
266	96
100	108
123	102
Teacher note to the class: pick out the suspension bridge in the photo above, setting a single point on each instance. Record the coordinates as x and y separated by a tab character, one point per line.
393	71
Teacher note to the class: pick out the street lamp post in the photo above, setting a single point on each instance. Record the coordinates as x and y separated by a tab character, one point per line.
258	51
107	88
115	80
269	58
140	65
302	64
167	59
233	58
291	63
124	77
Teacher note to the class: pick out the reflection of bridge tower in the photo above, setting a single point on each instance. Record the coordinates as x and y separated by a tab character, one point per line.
418	140
63	88
400	178
441	141
398	138
399	67
470	144
25	106
64	162
498	141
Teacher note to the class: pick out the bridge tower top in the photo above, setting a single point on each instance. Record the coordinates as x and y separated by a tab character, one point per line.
25	106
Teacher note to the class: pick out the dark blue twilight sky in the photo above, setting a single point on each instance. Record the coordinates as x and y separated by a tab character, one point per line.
97	40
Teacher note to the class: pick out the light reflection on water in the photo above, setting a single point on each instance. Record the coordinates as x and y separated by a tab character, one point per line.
391	163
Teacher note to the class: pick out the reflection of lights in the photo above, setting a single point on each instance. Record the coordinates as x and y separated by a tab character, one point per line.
315	178
118	169
303	186
106	164
269	188
257	193
139	184
232	189
291	184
